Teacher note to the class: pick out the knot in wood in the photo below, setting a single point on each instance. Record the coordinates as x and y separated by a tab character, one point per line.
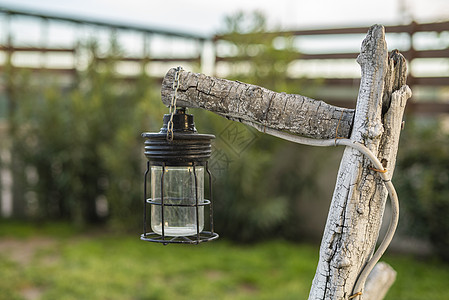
343	262
375	131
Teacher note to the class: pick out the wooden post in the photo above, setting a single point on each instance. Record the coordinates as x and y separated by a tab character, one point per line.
359	198
358	202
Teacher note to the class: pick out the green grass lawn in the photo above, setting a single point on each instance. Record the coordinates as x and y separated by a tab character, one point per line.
54	262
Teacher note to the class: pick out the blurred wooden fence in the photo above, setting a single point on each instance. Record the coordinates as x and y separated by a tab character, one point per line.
432	95
431	91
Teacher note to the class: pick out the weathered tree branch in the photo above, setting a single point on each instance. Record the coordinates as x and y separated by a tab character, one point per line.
359	198
249	103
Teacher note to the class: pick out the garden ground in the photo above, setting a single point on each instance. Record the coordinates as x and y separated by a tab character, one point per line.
56	262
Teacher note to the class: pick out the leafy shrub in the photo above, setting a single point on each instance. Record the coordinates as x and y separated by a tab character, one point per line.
82	144
423	182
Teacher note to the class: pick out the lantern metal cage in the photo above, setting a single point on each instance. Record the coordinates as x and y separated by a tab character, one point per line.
177	149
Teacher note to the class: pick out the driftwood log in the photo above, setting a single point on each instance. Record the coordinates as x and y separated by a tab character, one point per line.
357	206
249	104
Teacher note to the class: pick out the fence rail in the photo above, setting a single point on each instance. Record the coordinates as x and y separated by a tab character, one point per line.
107	24
423	104
419	105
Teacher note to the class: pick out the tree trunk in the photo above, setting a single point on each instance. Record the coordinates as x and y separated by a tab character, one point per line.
357	206
359	198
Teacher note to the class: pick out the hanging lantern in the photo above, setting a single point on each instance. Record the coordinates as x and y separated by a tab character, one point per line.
177	162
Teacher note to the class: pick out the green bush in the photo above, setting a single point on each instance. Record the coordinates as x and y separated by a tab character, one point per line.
80	147
422	177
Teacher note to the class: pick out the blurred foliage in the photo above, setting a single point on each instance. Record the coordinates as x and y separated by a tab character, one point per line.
260	179
422	178
80	147
259	57
77	151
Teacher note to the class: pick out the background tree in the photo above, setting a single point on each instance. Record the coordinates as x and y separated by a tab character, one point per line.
265	188
80	146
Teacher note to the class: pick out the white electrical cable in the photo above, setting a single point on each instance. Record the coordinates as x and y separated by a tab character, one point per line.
387	181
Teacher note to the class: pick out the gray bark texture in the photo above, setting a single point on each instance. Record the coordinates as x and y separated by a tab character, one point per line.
250	104
357	206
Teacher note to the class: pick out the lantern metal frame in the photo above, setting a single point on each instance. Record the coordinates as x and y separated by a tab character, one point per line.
185	147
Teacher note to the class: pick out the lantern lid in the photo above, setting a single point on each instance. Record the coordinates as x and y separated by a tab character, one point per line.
186	147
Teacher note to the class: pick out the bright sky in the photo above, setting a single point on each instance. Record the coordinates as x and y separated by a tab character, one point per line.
206	16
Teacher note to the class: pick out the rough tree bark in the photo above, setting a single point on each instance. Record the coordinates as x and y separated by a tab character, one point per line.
359	198
249	103
357	206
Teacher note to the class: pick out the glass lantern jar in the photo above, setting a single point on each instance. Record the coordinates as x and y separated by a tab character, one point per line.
182	187
177	167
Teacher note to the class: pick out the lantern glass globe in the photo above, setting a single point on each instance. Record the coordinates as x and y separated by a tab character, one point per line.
182	187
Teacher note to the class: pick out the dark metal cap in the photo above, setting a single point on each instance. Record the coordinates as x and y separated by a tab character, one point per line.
187	146
182	122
